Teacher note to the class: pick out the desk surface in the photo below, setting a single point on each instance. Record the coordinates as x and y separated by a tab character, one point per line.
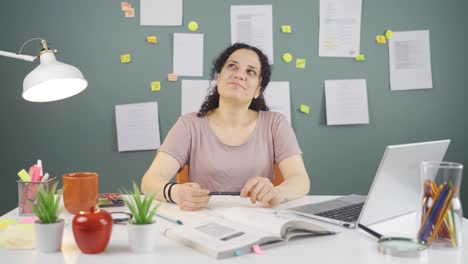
349	246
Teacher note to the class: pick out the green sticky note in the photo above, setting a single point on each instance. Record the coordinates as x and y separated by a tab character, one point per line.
24	175
8	221
300	63
388	34
286	28
304	109
360	57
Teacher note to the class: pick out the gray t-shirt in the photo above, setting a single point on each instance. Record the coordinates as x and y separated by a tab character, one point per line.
220	167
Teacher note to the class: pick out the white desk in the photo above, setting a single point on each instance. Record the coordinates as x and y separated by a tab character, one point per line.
349	246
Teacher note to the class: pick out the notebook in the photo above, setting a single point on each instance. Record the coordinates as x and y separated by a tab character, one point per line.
395	189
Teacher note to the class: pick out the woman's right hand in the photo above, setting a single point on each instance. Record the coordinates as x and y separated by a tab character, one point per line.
190	196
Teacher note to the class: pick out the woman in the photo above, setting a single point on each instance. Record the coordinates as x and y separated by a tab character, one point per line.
232	143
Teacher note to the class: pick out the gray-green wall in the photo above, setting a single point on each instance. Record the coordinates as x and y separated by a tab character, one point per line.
78	134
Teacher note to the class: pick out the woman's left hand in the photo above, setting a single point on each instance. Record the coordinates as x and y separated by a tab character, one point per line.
261	189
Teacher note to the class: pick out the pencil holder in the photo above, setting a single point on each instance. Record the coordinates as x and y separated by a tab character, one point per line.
27	194
441	214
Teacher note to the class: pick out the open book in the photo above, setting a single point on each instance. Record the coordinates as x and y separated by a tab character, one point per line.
224	232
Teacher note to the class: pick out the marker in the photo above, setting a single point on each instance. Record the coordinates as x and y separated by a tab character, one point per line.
45	178
34	171
177	221
39	163
224	193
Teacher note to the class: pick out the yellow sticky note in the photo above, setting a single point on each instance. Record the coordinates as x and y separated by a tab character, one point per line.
152	39
125	58
380	39
25	225
155	86
304	109
3	226
125	5
15	237
388	34
300	63
360	57
130	12
287	57
8	221
172	77
192	26
286	28
24	175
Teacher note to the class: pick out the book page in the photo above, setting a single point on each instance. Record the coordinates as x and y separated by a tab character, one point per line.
276	223
212	211
219	238
264	219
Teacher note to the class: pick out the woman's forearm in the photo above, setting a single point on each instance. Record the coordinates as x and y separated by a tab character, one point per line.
294	187
153	184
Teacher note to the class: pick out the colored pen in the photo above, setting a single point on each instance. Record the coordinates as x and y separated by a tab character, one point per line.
224	193
177	221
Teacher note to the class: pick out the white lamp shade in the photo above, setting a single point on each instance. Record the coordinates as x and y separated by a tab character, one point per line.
52	80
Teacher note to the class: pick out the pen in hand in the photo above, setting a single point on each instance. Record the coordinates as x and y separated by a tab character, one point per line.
224	193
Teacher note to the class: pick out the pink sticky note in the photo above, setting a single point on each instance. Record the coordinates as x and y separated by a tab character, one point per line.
257	250
28	220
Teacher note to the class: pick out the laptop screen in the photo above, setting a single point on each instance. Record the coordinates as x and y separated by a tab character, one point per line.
396	188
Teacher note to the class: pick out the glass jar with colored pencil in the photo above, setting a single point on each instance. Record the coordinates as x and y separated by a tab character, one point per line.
441	209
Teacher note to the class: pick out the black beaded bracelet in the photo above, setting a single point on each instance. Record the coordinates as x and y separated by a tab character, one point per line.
164	191
169	193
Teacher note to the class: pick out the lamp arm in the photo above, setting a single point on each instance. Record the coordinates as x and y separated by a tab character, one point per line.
17	56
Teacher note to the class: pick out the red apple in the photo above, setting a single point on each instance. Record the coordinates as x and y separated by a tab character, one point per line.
92	230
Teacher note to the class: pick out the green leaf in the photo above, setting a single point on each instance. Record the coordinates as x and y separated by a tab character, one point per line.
47	203
140	208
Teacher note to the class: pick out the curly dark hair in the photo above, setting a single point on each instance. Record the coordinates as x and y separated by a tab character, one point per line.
212	99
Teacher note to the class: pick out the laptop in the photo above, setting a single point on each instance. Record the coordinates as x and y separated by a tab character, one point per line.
395	190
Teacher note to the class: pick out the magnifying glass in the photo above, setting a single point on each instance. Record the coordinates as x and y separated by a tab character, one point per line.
121	217
397	246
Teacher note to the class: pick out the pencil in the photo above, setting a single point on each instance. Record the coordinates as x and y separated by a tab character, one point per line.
176	221
442	212
224	193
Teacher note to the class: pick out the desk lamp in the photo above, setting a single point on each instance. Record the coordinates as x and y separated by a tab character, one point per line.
51	80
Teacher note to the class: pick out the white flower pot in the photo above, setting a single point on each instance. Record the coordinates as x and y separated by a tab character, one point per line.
142	238
49	236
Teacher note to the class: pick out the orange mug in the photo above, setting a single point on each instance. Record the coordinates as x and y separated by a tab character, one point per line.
80	191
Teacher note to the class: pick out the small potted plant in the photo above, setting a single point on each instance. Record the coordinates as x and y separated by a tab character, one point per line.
48	229
142	229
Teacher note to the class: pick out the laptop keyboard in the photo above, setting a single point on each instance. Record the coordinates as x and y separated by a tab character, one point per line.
347	214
